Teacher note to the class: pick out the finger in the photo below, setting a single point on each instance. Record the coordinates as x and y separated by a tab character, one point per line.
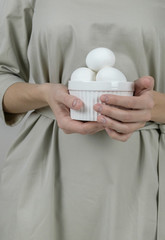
70	101
124	115
120	127
142	84
130	102
118	136
73	126
91	127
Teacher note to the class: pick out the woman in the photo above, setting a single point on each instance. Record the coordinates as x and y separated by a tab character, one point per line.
102	181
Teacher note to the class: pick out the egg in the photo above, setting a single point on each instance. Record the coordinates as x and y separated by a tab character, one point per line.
99	58
108	74
83	74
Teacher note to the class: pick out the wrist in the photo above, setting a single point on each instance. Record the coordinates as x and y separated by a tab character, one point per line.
44	90
158	111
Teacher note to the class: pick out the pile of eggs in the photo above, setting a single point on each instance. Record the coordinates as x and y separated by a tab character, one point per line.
99	62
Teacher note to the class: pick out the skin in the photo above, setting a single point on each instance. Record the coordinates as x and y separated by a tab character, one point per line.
120	116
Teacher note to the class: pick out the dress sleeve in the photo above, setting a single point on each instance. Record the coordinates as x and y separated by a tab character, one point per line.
15	32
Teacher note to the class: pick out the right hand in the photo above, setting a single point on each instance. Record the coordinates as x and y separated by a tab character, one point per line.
59	100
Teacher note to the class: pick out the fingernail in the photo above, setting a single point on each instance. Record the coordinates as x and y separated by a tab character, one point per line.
74	103
103	120
99	108
104	99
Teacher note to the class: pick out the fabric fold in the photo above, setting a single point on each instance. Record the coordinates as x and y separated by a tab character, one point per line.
161	194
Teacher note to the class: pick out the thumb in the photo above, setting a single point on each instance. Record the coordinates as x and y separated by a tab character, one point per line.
143	84
71	101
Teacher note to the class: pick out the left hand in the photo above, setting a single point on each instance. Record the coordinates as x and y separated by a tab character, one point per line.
122	115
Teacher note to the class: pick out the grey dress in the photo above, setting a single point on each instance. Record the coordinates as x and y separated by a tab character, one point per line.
55	186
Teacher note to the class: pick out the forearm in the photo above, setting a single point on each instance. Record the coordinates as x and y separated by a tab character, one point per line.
23	97
158	112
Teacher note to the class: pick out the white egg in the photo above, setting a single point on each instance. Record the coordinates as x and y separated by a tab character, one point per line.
109	74
99	58
83	74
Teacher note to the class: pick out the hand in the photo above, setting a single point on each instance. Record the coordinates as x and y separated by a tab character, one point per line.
59	100
122	115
